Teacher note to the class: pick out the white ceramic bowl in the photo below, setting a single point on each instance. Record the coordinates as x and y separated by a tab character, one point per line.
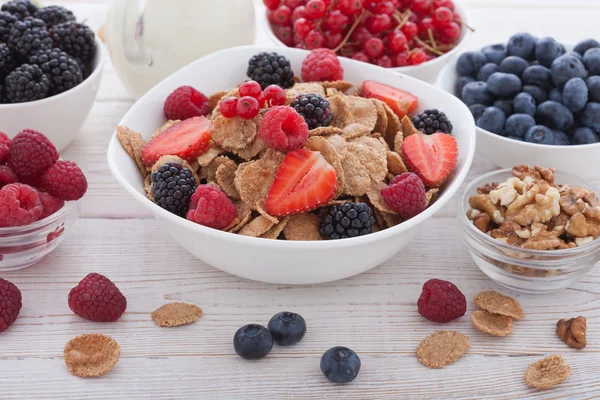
427	71
580	160
58	117
280	261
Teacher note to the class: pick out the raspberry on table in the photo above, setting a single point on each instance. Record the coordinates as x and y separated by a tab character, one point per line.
10	304
441	301
314	109
282	128
31	154
406	195
50	204
19	205
96	298
185	102
5	143
322	65
64	180
211	207
7	175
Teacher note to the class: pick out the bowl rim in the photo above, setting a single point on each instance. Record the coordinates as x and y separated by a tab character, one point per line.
465	17
463	220
450	190
97	70
49	220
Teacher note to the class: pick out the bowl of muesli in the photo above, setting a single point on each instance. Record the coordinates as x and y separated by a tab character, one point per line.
531	229
292	178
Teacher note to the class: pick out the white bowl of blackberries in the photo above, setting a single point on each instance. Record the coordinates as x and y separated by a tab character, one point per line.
50	67
534	100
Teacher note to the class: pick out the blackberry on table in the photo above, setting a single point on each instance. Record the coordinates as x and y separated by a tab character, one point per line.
271	69
54	15
20	8
347	220
314	109
172	187
6	22
7	62
432	121
26	83
62	70
28	36
77	40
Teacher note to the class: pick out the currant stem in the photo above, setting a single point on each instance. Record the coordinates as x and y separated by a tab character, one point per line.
428	47
350	32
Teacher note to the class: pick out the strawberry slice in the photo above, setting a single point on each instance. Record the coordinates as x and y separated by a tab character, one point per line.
401	102
187	139
431	157
304	181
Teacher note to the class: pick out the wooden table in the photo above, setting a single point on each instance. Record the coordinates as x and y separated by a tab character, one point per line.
374	313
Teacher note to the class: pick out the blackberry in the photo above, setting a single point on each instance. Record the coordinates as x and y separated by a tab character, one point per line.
28	36
314	109
54	15
26	83
431	121
62	70
271	69
76	39
20	8
6	22
172	187
7	62
347	220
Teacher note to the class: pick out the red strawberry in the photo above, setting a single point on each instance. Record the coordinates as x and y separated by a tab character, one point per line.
431	157
304	181
187	139
401	102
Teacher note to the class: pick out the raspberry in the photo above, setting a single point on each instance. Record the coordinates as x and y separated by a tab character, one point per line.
4	147
7	176
282	128
97	299
322	65
406	195
441	301
211	207
64	180
31	154
50	204
185	102
19	205
10	304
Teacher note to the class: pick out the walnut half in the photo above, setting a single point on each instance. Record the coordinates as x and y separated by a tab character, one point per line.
572	332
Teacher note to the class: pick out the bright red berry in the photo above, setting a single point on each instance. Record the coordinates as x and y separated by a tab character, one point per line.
228	107
379	23
64	180
274	95
401	60
271	4
185	102
10	304
285	34
385	7
384	61
441	301
31	153
360	56
422	7
314	40
247	107
410	29
418	56
450	32
443	3
4	147
336	22
351	7
292	4
250	88
210	207
302	26
271	17
361	35
282	128
7	176
283	16
299	12
425	26
405	194
19	205
322	65
397	41
333	40
50	204
315	9
442	16
96	298
373	47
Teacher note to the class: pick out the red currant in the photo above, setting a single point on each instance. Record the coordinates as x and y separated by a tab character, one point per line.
360	56
335	21
302	27
299	12
418	56
379	23
293	3
247	107
397	41
228	107
297	39
274	95
315	9
442	16
426	25
250	88
271	4
347	50
361	35
450	31
333	40
385	7
384	61
422	7
351	7
283	16
285	34
314	40
443	3
261	100
404	4
410	29
401	60
271	17
373	47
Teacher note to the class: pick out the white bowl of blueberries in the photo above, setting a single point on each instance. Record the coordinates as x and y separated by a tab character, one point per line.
534	101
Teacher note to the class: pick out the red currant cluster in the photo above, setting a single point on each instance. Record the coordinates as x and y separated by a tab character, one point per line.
251	100
389	33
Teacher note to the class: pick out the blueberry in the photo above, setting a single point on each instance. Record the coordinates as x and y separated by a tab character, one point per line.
593	83
524	103
470	63
506	105
585	45
537	75
485	71
476	93
555	95
554	115
590	116
539	134
492	120
461	81
538	94
561	138
477	110
502	84
287	328
520	139
584	136
494	53
575	94
340	364
252	342
547	50
513	65
564	68
518	124
522	45
591	59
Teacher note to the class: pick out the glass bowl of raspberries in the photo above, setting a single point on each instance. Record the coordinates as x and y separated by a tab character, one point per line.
50	68
414	37
39	196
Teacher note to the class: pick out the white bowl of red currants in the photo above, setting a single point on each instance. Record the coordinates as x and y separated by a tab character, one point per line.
413	37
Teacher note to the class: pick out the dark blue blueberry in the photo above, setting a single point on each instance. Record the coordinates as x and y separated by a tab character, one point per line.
566	67
555	95
518	124
547	50
576	55
590	116
538	94
522	45
539	134
593	83
492	120
485	71
476	93
504	85
561	138
585	45
506	105
494	53
470	63
554	115
520	139
575	94
537	75
252	342
524	103
287	328
477	110
513	65
461	81
591	59
340	364
584	136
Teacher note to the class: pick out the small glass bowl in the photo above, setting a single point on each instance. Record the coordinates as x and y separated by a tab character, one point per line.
525	270
23	246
